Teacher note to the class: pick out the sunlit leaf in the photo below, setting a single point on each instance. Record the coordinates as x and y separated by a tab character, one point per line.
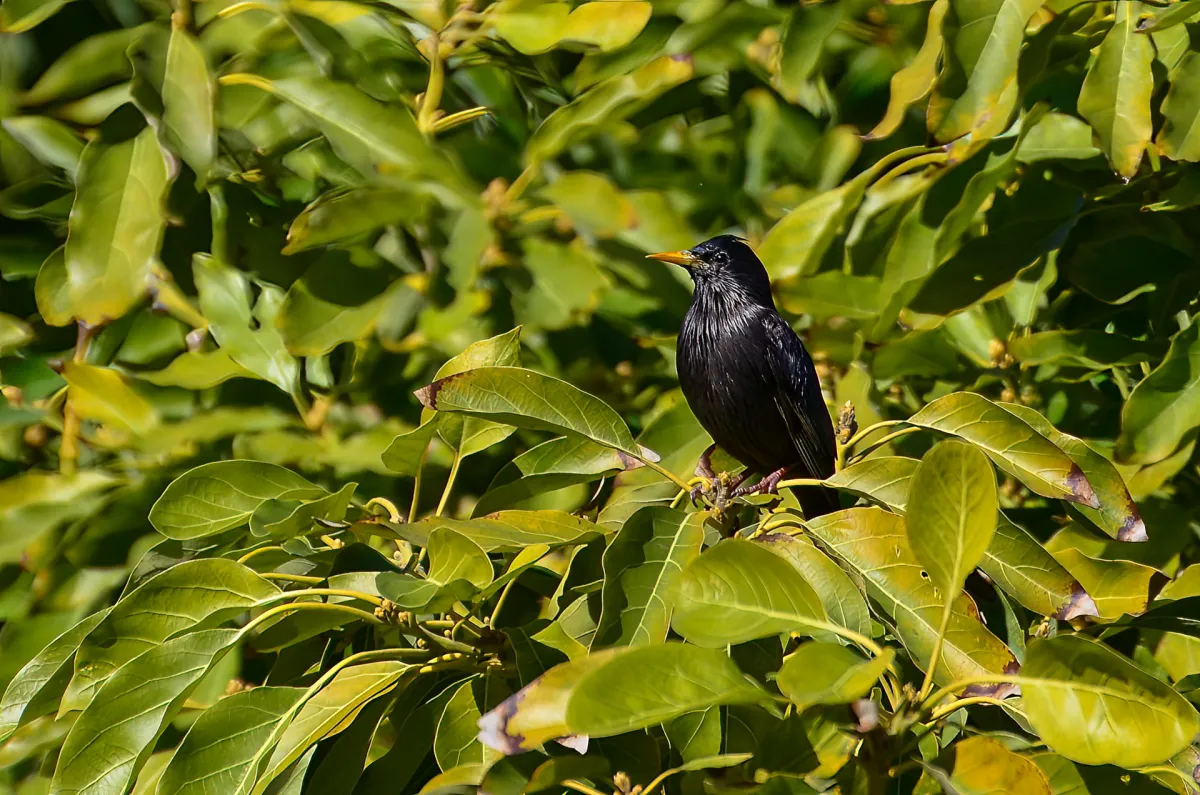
1115	97
1095	707
642	567
1164	408
826	673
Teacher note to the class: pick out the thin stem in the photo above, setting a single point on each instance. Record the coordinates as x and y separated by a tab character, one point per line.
1122	382
68	450
276	575
366	597
245	78
933	158
848	634
256	552
412	508
330	607
780	521
522	182
456	119
432	99
959	684
500	602
387	505
579	786
449	484
883	441
666	474
956	705
865	432
800	483
1189	783
936	657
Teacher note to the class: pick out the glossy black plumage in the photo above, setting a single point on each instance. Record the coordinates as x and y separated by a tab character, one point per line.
747	376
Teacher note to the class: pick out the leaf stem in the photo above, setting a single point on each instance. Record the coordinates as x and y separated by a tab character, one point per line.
936	656
68	449
449	484
412	508
432	99
848	634
579	786
956	705
300	606
387	505
276	575
883	441
870	429
256	552
663	471
800	483
988	679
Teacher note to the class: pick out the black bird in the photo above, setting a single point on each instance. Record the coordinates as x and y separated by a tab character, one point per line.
747	376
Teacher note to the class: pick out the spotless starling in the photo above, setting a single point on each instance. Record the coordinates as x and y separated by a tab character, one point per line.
748	378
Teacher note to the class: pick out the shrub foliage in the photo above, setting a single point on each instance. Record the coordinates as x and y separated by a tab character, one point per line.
343	447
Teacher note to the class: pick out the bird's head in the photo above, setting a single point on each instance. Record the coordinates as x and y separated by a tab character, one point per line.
725	263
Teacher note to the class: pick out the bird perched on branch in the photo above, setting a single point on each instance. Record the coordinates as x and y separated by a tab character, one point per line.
748	378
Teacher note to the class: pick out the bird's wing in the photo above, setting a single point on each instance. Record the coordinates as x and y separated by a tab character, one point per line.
798	396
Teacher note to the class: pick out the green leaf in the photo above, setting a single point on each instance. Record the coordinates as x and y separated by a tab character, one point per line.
508	531
840	598
249	334
1164	408
378	140
453	556
1067	778
330	711
914	81
102	755
1095	707
800	51
1014	559
454	741
531	26
49	140
1167	16
567	285
1012	445
1024	569
1115	98
193	594
18	16
189	102
739	591
607	26
101	394
334	302
1083	348
96	61
343	216
197	370
116	226
38	686
615	691
528	399
612	100
53	290
222	495
1118	587
951	513
883	479
982	765
1057	137
1118	514
217	752
642	568
406	452
874	543
977	89
827	673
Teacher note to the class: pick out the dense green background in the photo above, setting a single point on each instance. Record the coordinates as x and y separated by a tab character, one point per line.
250	230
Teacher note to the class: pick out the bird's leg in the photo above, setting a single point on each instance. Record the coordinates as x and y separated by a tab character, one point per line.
704	470
768	485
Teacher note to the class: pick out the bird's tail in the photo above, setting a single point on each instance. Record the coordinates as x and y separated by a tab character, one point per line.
816	501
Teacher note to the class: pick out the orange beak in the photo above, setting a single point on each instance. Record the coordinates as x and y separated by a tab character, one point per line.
685	258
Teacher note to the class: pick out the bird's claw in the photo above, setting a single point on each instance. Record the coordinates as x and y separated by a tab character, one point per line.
717	491
768	485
